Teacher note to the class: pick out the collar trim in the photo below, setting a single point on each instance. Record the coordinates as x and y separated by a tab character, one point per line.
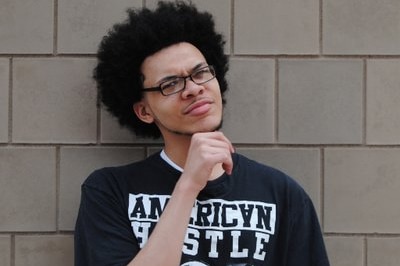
164	156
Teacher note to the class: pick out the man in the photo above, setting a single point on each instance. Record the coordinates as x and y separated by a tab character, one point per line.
196	202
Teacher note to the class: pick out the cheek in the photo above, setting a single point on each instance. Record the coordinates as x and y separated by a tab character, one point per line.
215	87
165	109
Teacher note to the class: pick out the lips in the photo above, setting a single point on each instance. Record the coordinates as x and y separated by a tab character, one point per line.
198	107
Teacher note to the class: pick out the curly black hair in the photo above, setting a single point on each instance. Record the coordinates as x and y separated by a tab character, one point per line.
122	52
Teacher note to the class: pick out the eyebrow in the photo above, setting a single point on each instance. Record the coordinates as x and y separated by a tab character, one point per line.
196	67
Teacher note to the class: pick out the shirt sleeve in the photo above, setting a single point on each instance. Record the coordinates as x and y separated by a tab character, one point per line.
306	244
103	235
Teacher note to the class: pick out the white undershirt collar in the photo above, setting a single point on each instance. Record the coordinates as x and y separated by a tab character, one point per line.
165	157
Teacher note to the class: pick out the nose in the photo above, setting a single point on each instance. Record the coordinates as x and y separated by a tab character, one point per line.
191	89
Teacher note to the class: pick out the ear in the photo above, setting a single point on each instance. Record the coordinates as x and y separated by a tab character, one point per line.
142	112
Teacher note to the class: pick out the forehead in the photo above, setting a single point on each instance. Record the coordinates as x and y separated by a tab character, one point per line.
173	59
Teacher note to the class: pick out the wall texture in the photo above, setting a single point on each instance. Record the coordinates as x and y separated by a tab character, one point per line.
314	91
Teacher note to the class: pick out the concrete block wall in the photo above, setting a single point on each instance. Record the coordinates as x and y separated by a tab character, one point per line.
314	91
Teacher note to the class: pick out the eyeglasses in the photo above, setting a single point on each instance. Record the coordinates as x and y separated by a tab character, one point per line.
177	84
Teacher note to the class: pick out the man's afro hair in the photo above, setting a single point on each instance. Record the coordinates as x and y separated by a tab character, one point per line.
122	52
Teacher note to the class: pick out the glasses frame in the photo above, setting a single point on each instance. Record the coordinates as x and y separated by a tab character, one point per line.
184	78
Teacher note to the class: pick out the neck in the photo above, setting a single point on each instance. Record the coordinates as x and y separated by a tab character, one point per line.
177	150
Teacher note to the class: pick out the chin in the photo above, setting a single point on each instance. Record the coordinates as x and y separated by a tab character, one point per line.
205	128
211	128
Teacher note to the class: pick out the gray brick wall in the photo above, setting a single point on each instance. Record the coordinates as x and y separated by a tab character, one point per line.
314	91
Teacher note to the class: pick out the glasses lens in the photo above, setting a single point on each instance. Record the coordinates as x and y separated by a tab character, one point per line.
203	75
177	84
172	86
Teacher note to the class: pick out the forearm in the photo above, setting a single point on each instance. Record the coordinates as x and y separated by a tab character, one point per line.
164	246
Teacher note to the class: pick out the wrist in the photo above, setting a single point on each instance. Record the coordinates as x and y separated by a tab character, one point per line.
188	186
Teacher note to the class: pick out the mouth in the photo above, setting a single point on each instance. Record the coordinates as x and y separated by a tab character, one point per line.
198	107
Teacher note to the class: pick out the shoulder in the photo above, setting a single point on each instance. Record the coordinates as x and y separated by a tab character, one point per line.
268	179
284	190
107	178
262	171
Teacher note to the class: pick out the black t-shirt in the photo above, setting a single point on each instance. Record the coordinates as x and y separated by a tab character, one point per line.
256	216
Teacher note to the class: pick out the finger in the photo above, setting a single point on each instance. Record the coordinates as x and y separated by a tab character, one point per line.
223	157
228	166
222	137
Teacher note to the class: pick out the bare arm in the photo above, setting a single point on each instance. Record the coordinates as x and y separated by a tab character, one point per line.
164	246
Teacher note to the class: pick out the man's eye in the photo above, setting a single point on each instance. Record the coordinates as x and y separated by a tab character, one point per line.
201	73
169	84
